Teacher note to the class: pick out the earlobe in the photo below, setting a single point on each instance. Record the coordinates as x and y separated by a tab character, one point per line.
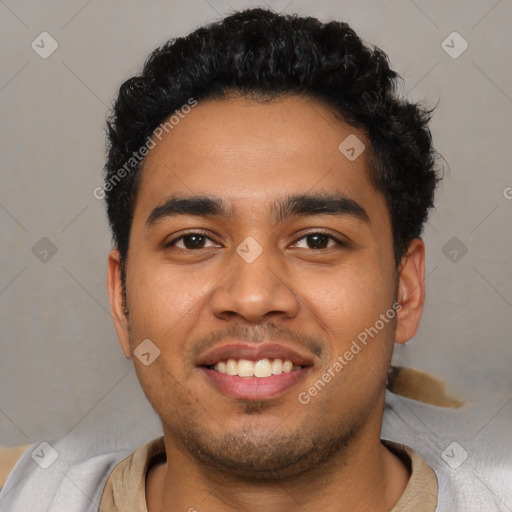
411	291
117	305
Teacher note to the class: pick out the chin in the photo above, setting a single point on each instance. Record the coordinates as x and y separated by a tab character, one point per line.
259	453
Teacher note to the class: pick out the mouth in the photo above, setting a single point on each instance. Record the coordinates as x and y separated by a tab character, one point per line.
254	372
261	369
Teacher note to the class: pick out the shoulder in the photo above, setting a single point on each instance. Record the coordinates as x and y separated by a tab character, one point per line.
63	474
473	472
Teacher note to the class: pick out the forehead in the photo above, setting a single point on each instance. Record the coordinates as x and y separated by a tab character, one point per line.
251	152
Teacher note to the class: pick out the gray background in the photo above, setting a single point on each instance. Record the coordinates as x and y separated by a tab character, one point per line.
61	367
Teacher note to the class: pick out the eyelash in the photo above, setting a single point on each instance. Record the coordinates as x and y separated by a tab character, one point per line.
205	235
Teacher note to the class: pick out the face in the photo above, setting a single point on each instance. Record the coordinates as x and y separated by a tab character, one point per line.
258	247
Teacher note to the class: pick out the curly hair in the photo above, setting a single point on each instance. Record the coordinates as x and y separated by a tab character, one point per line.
264	55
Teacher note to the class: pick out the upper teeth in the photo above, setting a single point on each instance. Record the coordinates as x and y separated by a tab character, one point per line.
260	368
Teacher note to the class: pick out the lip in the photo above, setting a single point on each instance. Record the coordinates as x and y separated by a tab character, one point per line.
253	353
254	388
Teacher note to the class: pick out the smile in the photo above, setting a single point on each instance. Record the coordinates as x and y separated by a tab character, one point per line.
262	368
260	371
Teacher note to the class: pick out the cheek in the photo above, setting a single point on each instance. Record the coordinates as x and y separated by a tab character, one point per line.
163	385
348	300
160	299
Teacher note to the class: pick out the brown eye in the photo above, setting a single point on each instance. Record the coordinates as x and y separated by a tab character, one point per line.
192	241
317	241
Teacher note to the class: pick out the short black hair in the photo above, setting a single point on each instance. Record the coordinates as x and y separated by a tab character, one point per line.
263	55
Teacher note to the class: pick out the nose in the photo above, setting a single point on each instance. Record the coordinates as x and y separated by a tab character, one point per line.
254	291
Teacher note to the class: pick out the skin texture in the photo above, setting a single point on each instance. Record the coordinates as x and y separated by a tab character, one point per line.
274	454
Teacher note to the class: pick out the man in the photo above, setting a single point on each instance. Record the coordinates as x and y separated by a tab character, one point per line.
267	189
263	233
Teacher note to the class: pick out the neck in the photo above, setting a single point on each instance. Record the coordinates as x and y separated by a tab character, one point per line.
365	476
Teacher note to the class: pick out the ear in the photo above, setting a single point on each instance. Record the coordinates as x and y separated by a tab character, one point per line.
411	291
115	292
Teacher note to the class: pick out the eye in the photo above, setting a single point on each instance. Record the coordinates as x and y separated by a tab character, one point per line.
317	241
197	240
191	241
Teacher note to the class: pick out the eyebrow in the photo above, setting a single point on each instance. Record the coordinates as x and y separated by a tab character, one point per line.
296	205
